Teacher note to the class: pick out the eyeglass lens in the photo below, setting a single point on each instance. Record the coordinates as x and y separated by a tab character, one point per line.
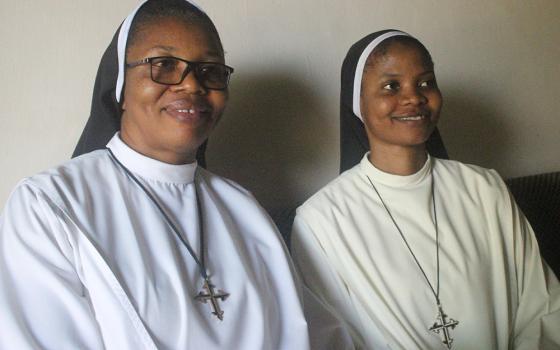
169	70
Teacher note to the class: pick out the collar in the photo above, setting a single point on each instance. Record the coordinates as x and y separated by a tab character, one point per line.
149	168
393	180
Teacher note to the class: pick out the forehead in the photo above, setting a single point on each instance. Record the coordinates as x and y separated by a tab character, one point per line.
189	40
398	56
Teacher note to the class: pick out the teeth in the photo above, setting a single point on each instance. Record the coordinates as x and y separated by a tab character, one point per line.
190	111
416	117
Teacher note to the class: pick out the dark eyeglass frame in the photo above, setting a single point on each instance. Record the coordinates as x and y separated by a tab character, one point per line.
191	66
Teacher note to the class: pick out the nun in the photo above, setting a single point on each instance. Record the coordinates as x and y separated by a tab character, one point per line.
132	244
411	250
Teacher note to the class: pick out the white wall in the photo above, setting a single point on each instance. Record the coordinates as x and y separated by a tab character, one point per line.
498	65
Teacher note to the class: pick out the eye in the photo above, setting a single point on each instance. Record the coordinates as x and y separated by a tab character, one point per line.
391	86
207	68
212	71
165	63
430	83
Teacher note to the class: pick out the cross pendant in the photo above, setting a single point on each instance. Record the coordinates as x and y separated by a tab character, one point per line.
208	293
442	327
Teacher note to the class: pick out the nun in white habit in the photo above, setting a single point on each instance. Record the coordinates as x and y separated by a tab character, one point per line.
135	246
413	251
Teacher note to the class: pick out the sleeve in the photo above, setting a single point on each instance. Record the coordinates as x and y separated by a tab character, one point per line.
537	320
44	305
326	331
325	288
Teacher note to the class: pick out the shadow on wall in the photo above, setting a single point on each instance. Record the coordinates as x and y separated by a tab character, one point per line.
272	132
474	129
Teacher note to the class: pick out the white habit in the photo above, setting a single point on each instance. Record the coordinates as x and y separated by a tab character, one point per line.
492	278
87	262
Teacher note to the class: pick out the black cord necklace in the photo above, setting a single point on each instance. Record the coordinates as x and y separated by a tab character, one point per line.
443	324
209	292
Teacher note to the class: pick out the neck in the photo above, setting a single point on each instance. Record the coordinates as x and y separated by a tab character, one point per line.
163	155
398	160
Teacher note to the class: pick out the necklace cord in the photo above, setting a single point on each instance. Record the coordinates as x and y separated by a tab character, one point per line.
169	222
437	236
436	293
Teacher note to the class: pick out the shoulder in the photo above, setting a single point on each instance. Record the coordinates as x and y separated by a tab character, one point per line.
238	201
470	178
337	195
467	172
75	177
81	165
241	209
224	185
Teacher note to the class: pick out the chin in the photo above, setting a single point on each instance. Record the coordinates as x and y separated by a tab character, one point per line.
422	136
189	136
415	140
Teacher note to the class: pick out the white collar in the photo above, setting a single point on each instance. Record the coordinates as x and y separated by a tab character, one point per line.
149	168
393	180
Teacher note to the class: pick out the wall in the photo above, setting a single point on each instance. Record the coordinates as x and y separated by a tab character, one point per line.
497	62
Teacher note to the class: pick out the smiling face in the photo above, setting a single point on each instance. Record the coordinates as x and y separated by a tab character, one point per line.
170	122
400	101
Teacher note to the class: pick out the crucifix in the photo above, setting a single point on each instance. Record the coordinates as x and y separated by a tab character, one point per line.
210	294
442	327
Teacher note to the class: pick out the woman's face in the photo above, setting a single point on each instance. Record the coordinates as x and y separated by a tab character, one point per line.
170	122
400	101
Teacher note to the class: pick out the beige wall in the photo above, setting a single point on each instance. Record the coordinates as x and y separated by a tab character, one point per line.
498	65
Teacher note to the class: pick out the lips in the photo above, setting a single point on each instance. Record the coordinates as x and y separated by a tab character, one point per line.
188	111
412	117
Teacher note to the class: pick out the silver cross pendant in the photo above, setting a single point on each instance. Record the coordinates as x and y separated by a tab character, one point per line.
209	293
443	326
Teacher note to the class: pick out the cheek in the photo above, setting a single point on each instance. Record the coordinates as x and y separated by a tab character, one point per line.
142	91
376	109
436	102
218	99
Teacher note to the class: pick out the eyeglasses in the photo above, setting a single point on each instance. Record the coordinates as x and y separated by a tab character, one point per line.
170	70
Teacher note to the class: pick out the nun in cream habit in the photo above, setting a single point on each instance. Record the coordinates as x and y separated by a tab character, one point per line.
433	257
126	247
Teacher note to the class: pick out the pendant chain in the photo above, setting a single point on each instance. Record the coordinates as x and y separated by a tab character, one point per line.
443	324
200	262
436	290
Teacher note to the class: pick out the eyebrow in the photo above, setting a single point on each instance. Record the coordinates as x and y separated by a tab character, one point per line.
394	75
163	47
171	49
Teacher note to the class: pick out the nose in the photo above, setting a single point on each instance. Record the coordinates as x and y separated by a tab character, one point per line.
413	96
190	84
